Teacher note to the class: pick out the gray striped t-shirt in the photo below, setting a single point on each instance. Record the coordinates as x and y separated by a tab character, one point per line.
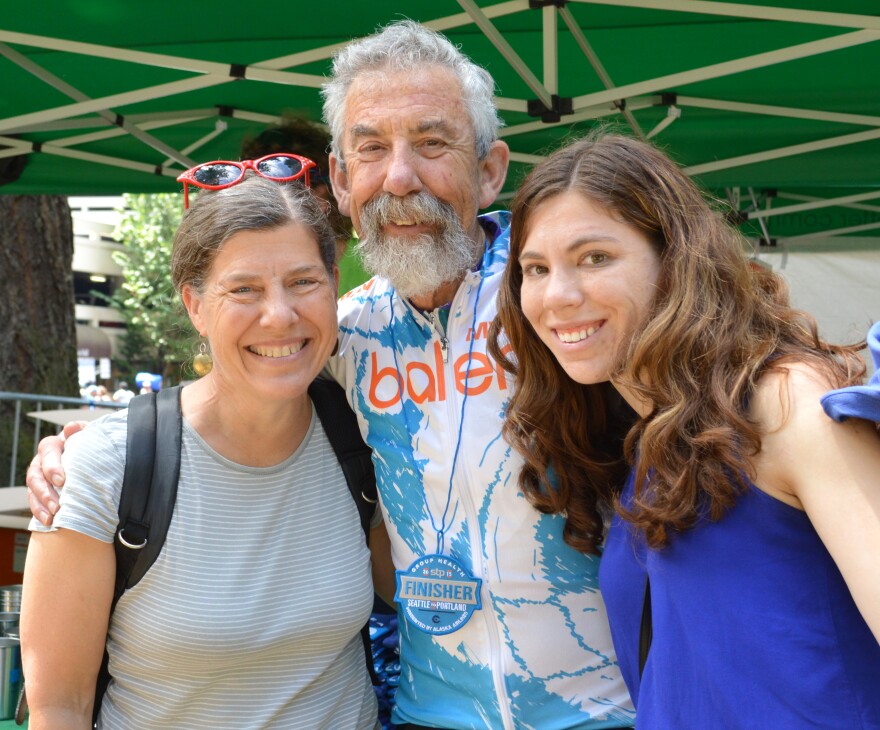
249	617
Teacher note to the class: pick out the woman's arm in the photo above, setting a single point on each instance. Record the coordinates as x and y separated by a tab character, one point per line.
832	470
384	582
68	588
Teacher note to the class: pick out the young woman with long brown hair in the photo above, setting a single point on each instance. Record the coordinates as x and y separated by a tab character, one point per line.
755	516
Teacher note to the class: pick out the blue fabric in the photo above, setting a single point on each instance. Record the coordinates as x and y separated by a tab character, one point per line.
858	401
622	584
754	627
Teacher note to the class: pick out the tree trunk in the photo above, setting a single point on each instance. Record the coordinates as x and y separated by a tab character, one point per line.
37	325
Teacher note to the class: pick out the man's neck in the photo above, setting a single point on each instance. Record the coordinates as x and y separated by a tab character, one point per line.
445	293
437	298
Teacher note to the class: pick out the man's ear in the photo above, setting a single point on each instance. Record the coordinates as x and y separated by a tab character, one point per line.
341	189
493	172
193	303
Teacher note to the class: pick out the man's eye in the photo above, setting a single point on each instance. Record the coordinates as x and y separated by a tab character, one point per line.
370	148
433	145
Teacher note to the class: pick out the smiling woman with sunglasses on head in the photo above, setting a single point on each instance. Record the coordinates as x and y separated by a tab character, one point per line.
250	616
756	516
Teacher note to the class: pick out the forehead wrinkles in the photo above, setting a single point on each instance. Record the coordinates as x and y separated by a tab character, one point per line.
424	100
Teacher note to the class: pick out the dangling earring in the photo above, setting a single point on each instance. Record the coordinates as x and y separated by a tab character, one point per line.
202	363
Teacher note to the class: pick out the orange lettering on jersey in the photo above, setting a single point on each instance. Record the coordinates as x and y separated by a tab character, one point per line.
376	377
482	332
480	367
426	382
430	391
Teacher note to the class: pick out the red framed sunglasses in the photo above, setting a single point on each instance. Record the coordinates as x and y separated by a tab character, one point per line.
281	167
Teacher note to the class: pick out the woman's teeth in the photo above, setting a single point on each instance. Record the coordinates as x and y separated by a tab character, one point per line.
576	335
277	351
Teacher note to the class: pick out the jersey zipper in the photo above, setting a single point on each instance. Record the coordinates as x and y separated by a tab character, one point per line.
462	485
438	329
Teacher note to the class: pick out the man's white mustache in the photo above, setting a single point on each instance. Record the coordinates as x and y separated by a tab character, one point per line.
416	208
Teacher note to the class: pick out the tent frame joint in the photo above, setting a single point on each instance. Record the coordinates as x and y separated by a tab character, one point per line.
539	4
560	106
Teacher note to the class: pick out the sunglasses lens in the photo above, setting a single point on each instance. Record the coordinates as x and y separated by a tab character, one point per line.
280	167
217	174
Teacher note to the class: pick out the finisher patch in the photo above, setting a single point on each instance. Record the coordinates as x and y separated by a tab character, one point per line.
437	595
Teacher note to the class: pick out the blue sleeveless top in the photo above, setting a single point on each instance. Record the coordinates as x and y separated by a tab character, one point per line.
753	624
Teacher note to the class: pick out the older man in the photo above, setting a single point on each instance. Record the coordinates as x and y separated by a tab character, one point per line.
502	624
415	157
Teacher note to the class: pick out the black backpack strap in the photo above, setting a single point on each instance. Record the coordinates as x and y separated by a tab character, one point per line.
356	459
354	456
149	491
149	488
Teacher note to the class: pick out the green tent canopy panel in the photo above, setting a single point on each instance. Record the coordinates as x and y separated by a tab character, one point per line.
772	106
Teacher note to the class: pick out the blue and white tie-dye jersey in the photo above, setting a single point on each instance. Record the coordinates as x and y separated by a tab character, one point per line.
538	654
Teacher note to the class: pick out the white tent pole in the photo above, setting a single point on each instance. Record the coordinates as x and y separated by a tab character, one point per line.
726	68
155	92
778	111
814	205
439	24
15	147
641	102
492	11
810	198
797	149
581	39
116	132
506	50
756	12
141	120
761	221
672	113
50	149
550	45
75	94
525	158
128	97
833	232
116	54
220	126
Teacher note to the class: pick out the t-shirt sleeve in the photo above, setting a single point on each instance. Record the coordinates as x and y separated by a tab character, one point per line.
94	462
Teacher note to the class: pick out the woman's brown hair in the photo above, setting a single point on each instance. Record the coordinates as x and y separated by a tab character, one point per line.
717	323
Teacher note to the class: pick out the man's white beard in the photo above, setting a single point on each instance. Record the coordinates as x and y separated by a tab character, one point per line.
415	266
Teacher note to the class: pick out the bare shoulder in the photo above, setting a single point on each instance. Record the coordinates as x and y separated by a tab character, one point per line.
789	394
799	440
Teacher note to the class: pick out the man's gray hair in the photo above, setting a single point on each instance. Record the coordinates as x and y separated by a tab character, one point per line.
408	46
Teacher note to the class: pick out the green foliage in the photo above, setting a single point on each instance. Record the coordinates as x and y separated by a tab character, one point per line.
160	335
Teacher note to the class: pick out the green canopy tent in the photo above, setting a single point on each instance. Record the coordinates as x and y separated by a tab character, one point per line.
773	105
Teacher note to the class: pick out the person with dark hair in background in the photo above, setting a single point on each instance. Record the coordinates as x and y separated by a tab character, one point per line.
311	140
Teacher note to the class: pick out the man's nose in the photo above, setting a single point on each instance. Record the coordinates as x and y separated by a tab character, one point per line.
402	174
